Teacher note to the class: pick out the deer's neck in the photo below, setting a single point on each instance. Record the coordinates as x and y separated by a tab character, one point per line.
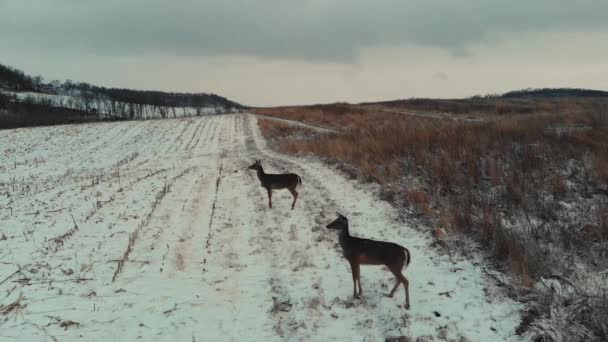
344	237
260	173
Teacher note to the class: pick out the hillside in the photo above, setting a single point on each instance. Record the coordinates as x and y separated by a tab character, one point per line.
28	100
526	101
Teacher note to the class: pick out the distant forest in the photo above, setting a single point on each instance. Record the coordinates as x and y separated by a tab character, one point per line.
525	101
552	92
30	101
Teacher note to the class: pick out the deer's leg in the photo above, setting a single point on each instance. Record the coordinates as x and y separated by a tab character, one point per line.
355	270
294	193
401	279
269	197
395	288
359	280
395	270
406	285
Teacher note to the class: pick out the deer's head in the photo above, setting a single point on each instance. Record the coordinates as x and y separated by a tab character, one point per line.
339	224
256	166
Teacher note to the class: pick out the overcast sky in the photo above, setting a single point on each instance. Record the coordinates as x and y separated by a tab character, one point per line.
275	52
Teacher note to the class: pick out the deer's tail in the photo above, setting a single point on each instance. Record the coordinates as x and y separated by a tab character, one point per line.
408	257
299	179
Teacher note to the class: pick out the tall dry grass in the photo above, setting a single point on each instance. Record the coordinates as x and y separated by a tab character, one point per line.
338	116
524	186
276	129
491	106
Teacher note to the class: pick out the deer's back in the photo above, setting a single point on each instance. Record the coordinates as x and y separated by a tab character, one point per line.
372	252
280	181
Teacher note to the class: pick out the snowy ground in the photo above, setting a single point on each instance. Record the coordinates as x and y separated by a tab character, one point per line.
206	260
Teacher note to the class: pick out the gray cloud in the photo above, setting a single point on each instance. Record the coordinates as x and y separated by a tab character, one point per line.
442	75
318	30
277	52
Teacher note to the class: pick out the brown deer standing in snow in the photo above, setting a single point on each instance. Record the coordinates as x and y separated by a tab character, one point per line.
269	181
370	252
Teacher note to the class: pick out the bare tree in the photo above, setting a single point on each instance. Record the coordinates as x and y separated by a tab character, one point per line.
37	82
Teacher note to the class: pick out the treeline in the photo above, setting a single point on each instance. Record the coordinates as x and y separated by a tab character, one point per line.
14	114
17	80
26	95
132	104
555	92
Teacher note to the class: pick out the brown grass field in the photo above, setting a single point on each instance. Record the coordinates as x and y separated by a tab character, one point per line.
528	183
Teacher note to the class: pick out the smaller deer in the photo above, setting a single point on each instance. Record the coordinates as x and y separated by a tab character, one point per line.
269	181
370	252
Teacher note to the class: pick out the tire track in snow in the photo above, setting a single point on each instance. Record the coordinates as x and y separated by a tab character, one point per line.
213	205
202	134
134	236
180	231
239	258
301	238
213	137
174	146
182	235
105	142
266	240
196	134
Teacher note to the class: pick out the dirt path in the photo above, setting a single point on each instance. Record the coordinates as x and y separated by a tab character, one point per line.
296	123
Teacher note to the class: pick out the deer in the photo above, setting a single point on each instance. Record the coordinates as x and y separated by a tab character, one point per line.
269	181
360	251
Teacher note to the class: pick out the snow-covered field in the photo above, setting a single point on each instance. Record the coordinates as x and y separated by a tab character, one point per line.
155	230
